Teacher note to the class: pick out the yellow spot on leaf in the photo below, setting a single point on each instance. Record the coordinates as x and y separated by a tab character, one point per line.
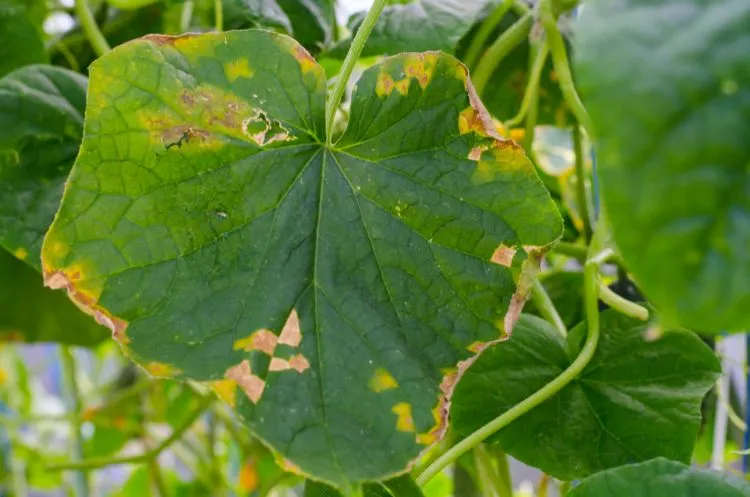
517	134
290	333
421	67
236	69
225	390
263	340
504	155
251	384
431	436
3	376
402	86
248	477
21	253
469	120
476	347
382	380
161	370
384	85
404	421
306	61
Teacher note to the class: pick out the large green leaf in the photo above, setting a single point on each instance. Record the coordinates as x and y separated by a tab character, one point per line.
660	477
20	38
209	226
32	313
673	148
416	25
41	115
638	398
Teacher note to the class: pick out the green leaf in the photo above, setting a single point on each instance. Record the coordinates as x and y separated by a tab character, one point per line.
255	13
402	486
565	288
209	225
638	398
660	477
20	38
673	148
416	26
41	115
312	22
33	313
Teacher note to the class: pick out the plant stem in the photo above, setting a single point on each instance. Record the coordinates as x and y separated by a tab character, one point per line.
186	17
358	43
562	66
531	94
88	23
546	308
622	305
541	395
146	456
74	406
583	198
495	53
484	32
571	250
219	15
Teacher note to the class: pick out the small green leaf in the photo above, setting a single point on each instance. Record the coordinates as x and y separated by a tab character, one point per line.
32	313
638	398
41	115
660	477
416	26
329	289
673	148
21	40
255	13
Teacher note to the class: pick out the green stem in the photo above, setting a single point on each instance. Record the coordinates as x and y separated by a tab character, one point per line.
178	432
497	475
571	250
495	53
74	406
622	305
186	17
562	66
484	32
582	194
546	308
348	65
531	93
541	395
90	28
219	15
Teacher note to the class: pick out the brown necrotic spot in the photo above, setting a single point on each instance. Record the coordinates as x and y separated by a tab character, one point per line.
263	130
306	61
251	384
290	333
503	255
297	362
263	340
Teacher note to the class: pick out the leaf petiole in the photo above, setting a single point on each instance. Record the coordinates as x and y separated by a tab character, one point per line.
358	43
90	28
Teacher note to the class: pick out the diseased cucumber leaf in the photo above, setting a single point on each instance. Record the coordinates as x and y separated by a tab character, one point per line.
328	291
660	477
32	313
41	115
416	25
673	149
638	398
21	40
